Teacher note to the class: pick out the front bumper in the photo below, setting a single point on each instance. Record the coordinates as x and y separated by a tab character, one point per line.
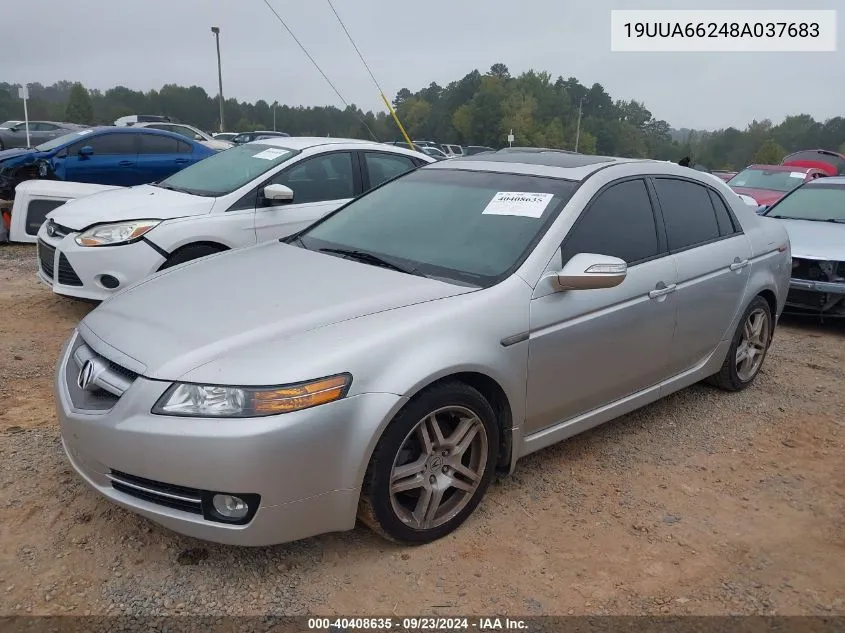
77	271
820	297
307	467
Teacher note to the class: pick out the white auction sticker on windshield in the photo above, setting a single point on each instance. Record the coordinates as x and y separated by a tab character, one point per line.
797	174
520	203
270	154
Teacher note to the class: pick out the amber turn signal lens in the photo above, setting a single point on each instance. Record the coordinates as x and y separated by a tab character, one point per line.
300	397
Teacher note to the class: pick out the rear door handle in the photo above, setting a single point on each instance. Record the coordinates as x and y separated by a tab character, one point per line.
181	161
662	291
126	163
739	264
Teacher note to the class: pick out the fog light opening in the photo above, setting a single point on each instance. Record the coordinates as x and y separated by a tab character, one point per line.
109	282
230	506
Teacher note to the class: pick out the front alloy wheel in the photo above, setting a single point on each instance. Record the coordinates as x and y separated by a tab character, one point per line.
432	465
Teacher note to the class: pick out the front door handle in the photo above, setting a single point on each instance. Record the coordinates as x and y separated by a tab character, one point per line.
662	290
181	161
739	264
126	163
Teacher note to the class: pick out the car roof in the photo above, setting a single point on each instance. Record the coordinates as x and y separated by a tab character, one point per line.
304	142
547	162
828	180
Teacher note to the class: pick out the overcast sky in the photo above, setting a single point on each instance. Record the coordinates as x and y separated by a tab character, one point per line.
144	44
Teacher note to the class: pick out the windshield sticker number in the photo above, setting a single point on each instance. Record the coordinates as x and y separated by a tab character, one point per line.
270	154
797	174
518	203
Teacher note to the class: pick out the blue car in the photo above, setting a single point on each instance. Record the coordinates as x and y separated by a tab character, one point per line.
101	155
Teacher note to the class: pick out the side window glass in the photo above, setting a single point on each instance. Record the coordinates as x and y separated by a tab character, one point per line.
687	212
383	167
106	144
619	222
184	148
326	177
155	144
723	216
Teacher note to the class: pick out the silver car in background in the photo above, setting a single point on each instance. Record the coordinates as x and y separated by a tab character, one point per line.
387	361
814	217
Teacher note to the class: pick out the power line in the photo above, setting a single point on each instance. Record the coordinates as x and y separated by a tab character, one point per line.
355	46
373	77
317	66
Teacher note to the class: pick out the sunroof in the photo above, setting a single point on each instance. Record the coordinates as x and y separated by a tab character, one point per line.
539	156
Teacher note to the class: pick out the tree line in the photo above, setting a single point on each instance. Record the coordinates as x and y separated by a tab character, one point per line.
478	109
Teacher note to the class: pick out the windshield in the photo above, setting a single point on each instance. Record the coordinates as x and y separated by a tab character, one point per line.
467	226
823	203
768	179
228	170
8	124
62	140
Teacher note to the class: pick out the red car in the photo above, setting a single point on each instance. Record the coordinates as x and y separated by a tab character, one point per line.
769	183
832	163
724	175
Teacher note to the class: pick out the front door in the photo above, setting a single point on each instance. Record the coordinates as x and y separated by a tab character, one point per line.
114	161
320	185
588	348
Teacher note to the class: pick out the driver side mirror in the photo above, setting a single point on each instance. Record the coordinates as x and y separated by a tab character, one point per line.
86	152
278	193
589	271
198	137
762	209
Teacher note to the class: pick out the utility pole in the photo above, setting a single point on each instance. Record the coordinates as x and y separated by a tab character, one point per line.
578	129
216	31
275	103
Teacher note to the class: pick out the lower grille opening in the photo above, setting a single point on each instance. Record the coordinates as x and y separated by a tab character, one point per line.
46	256
168	495
66	275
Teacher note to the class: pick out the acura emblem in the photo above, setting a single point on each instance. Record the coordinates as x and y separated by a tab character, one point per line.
86	374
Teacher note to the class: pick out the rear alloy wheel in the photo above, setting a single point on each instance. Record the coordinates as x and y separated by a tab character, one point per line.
432	465
748	348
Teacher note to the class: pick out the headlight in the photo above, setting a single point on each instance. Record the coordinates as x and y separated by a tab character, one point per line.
118	233
213	401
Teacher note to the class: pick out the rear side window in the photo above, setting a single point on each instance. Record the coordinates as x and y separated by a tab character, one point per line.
723	216
687	212
155	144
619	222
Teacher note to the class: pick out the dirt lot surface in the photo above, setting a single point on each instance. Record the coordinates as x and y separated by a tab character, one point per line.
704	503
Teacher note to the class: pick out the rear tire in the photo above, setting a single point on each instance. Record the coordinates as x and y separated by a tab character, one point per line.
190	253
748	349
431	466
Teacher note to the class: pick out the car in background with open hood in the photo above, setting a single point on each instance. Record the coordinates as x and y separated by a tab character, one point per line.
832	163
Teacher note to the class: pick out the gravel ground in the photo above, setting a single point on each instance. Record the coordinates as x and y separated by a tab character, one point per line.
704	503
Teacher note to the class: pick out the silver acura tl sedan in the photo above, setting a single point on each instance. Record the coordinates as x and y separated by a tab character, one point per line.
385	362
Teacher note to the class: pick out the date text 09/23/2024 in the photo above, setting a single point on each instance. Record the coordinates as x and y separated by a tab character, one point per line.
410	624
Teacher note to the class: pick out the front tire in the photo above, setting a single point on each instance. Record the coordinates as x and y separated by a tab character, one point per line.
748	349
432	466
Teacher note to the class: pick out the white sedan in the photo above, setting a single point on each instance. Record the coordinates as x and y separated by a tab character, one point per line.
95	246
189	131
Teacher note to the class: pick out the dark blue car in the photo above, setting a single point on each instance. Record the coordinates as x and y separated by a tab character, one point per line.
101	155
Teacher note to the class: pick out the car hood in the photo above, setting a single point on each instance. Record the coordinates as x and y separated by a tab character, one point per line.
816	240
23	155
762	196
129	203
198	312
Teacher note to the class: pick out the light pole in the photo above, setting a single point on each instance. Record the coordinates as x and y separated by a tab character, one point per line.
216	31
275	103
578	129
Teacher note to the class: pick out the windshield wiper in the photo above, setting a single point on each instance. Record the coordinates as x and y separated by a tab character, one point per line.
369	258
835	220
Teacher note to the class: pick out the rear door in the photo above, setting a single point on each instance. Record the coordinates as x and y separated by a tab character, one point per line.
114	161
712	256
159	156
320	185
